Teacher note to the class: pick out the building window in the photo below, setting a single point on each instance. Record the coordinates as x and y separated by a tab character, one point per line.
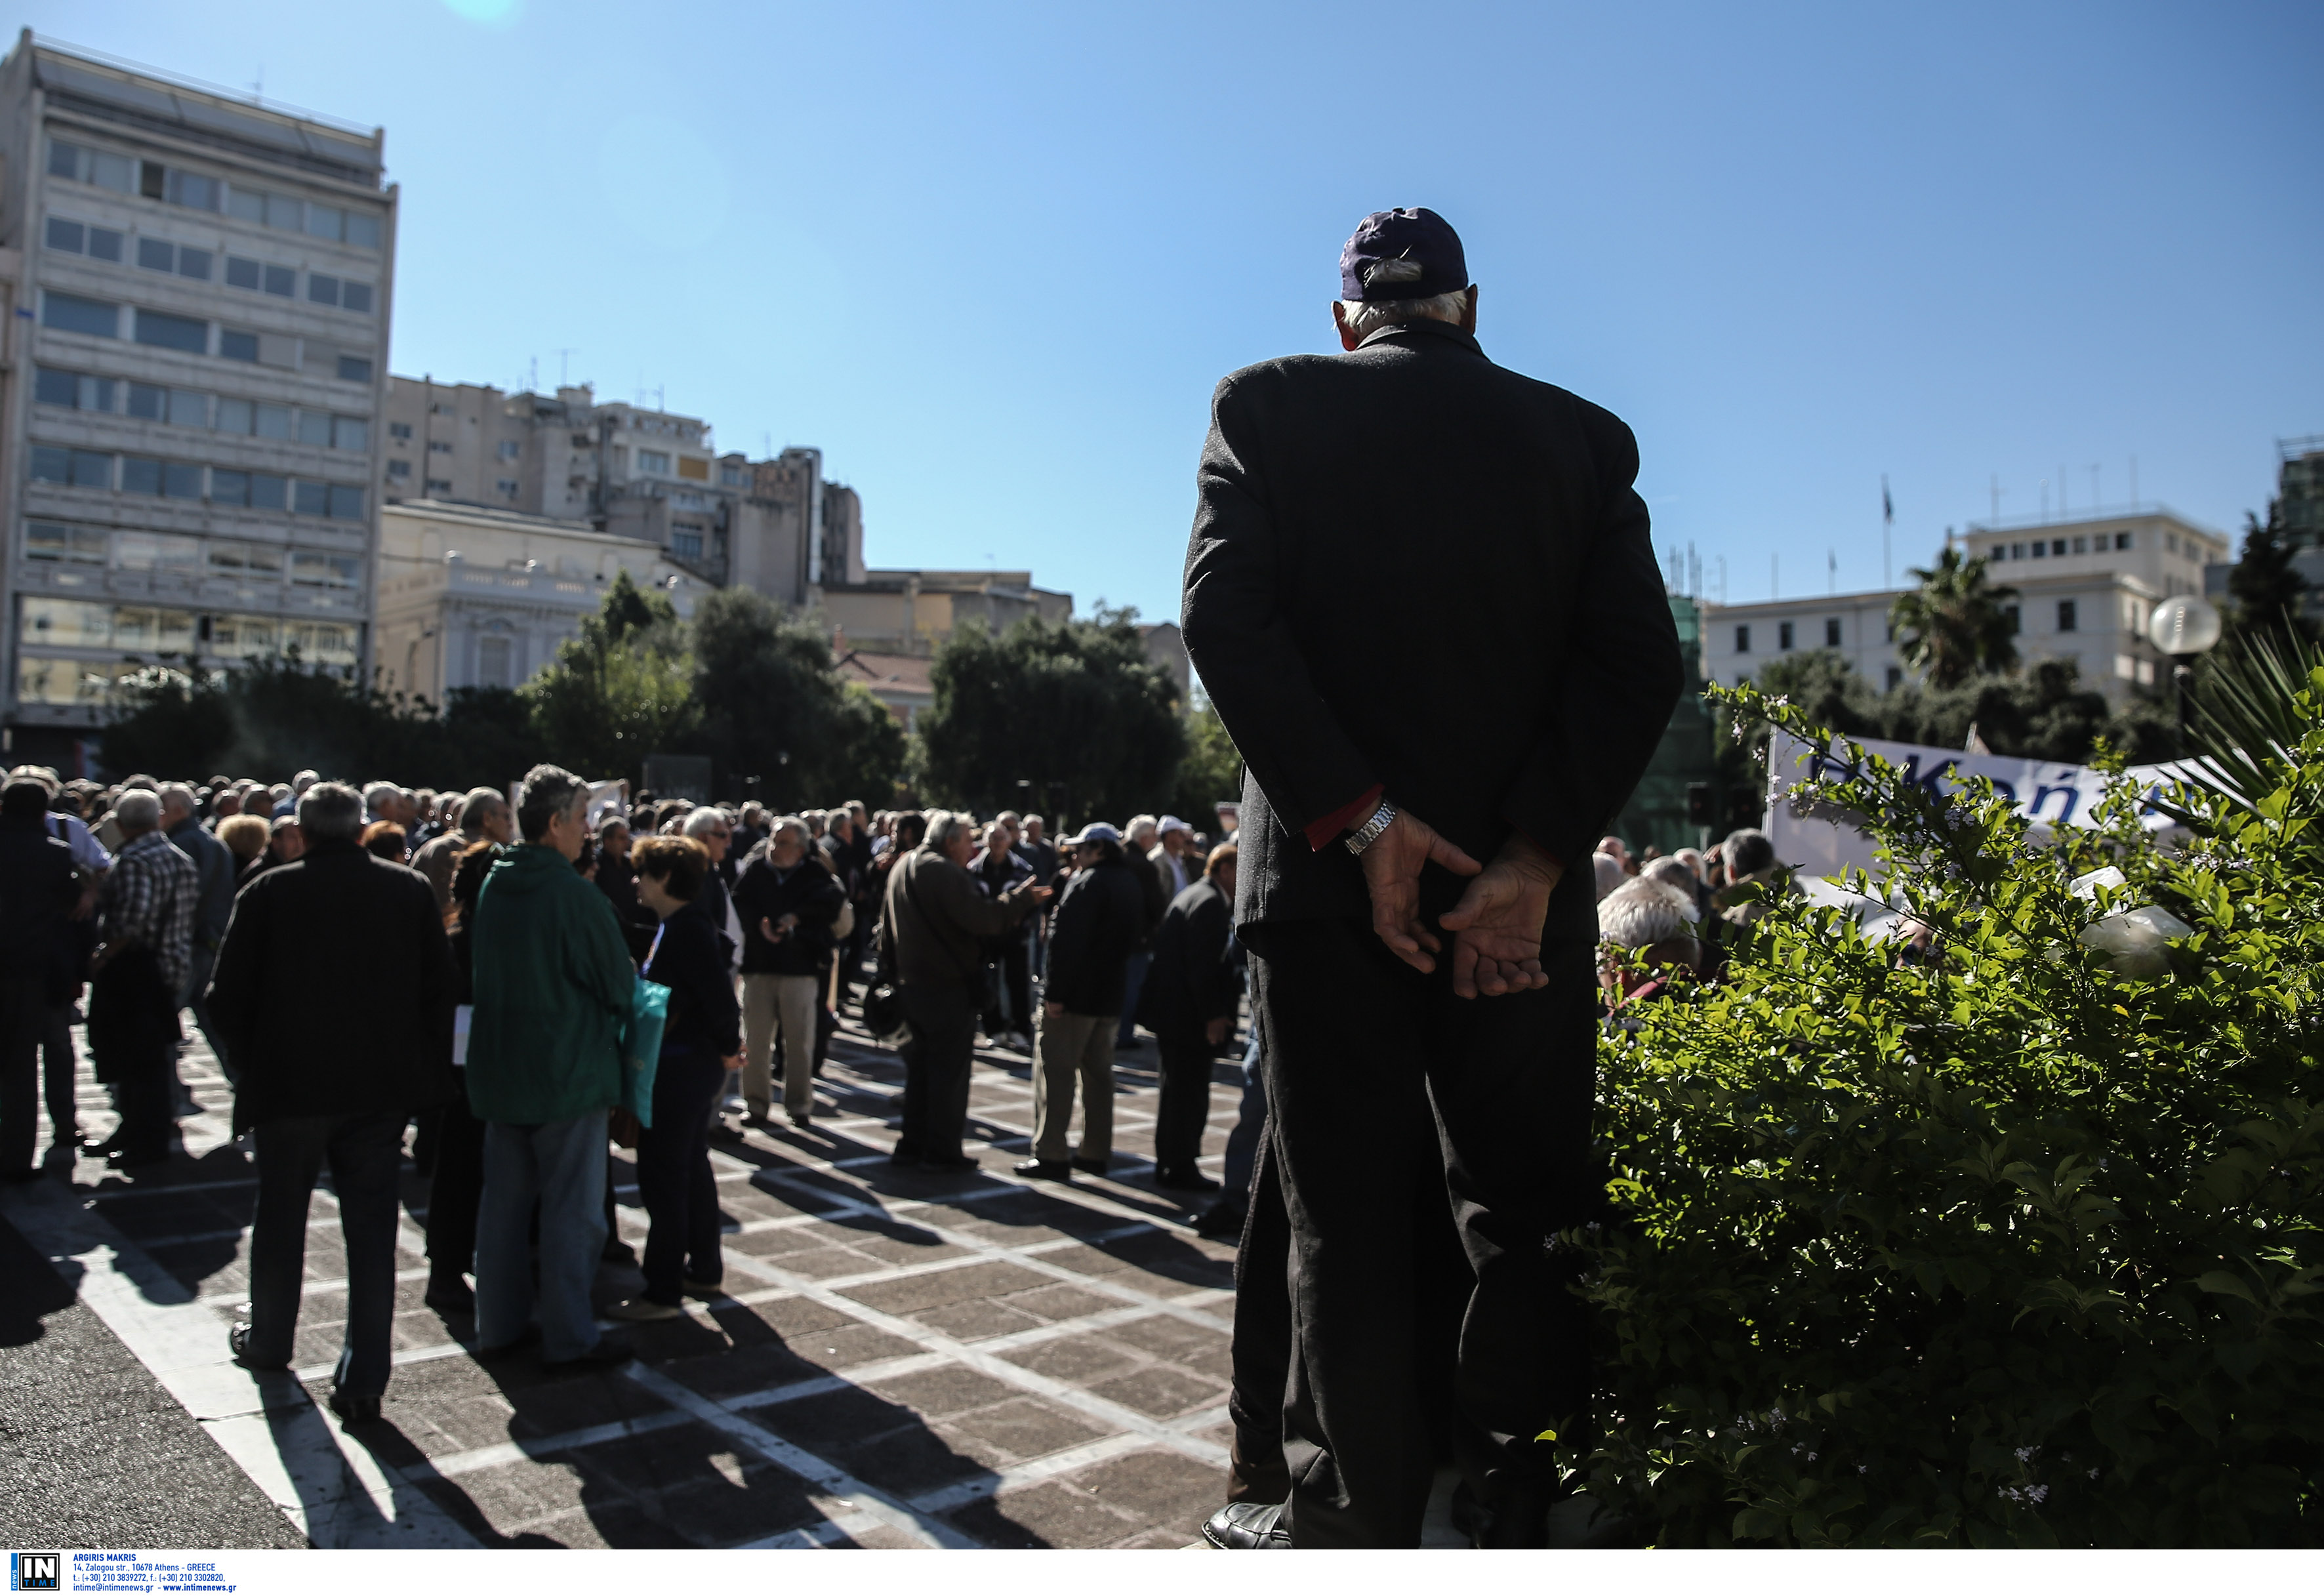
313	568
72	468
2017	551
2058	547
492	662
510	449
70	313
100	169
2122	539
75	238
1831	631
2171	542
1895	677
63	545
436	445
159	254
175	186
2038	548
322	289
72	390
354	368
235	345
2081	546
398	469
315	429
350	432
1742	639
507	486
400	429
693	470
164	331
437	484
2066	615
685	545
1782	634
730	476
653	463
2015	624
260	277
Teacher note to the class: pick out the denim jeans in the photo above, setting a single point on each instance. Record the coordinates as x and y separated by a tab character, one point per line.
1242	1142
563	1164
366	1153
1133	979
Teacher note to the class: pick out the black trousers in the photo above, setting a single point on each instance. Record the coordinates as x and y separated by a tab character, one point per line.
1394	1104
1186	1107
936	1063
23	1018
365	1152
57	1066
1262	1340
456	1187
674	1177
132	1030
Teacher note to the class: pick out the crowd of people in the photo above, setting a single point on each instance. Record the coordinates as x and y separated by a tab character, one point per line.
462	982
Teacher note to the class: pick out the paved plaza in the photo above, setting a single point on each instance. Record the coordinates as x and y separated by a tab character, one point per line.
904	1359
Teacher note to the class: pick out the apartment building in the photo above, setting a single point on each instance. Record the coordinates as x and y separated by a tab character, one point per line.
190	435
2085	590
777	525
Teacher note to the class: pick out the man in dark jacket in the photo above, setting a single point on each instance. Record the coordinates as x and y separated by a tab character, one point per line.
930	927
1101	919
787	903
997	869
334	992
182	824
1136	844
39	887
1188	1002
1514	670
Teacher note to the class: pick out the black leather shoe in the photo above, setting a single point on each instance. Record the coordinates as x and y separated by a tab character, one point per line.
907	1157
959	1165
448	1293
1248	1526
238	1338
1043	1169
610	1352
1185	1180
1093	1165
1221	1222
354	1409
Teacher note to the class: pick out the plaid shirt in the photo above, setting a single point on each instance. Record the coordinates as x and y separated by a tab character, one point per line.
150	897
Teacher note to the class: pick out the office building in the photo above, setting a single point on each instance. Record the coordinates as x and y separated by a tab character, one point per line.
2085	590
196	370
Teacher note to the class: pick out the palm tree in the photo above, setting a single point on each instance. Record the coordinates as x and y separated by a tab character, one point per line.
1953	625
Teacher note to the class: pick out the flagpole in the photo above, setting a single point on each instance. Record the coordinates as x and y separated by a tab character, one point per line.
1888	524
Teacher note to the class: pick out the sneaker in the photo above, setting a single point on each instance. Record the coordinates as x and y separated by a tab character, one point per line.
1043	1169
801	1118
644	1310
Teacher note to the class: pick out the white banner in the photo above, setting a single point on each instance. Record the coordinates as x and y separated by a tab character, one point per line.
2047	793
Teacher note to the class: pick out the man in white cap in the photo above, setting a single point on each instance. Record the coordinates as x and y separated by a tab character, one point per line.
1173	856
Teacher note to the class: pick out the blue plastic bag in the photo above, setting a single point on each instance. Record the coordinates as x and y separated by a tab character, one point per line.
641	1047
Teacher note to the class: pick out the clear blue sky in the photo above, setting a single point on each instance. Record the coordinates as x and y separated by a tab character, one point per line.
992	259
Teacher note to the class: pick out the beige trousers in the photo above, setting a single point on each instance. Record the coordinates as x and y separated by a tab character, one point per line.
1074	1044
769	1002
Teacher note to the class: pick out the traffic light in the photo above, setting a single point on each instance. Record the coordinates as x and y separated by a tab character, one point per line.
1698	804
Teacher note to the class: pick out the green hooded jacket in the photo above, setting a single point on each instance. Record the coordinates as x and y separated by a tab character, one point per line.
553	987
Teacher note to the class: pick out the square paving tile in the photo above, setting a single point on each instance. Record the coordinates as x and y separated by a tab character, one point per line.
1160	1391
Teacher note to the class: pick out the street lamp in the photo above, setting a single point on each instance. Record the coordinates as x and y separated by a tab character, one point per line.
2183	628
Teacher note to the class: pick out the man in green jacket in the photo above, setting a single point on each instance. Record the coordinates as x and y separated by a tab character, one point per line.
553	989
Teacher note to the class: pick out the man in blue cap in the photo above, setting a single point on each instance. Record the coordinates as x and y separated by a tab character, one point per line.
1422	593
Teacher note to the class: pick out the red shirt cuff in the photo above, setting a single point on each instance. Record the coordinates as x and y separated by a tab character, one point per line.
1324	832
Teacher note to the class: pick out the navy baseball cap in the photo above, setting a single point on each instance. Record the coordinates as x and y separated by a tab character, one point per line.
1402	254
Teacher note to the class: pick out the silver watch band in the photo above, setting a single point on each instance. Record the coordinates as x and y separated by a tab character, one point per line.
1368	833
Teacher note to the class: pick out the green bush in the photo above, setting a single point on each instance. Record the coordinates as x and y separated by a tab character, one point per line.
1991	1247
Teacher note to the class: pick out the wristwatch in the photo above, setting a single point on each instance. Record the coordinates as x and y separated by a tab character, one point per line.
1368	833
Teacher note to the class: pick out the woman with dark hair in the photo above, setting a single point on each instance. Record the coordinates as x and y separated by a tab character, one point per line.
701	1040
458	1144
384	838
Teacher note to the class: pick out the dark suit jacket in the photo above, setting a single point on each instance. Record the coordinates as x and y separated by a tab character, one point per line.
1101	922
334	990
1412	567
1191	980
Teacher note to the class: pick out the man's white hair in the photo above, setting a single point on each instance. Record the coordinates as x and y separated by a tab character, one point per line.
1641	913
138	810
1137	823
789	825
1610	873
1369	316
702	822
178	793
1674	874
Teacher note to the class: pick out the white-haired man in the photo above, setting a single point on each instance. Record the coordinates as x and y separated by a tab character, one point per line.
146	947
1138	848
787	903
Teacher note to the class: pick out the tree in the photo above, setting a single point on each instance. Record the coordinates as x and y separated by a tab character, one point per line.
774	707
1075	705
1212	771
1953	625
621	690
2263	590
